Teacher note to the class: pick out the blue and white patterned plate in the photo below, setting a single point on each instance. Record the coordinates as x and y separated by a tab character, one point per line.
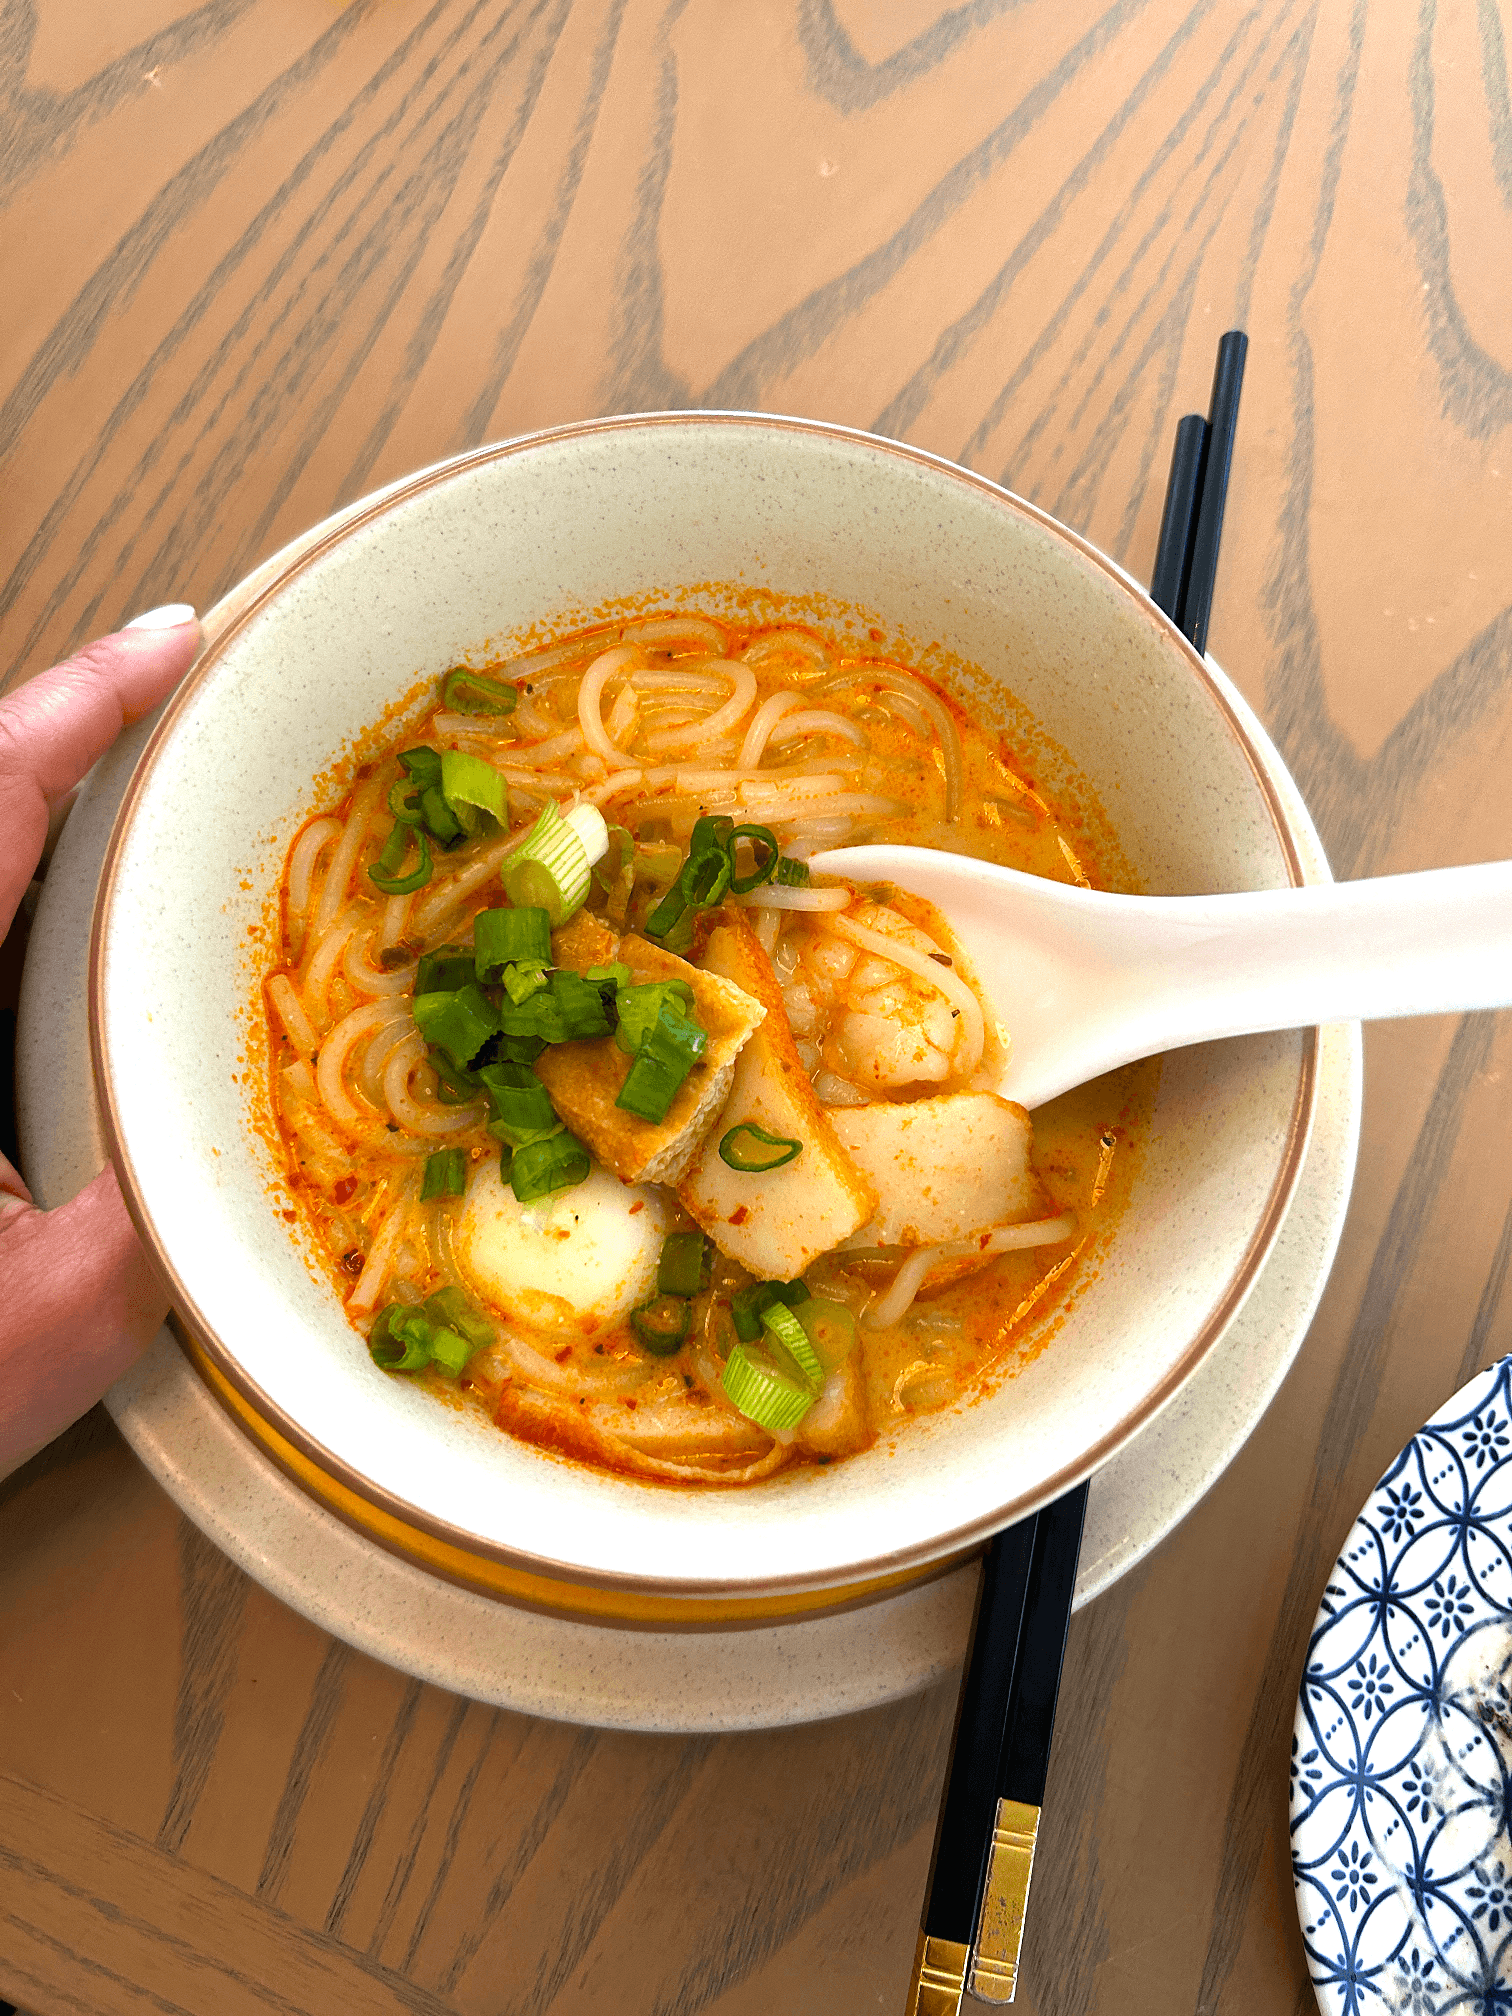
1401	1772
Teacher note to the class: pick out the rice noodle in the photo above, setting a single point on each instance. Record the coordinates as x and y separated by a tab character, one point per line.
765	719
668	679
772	643
944	978
325	956
520	669
536	1369
909	1278
944	727
395	917
433	1121
622	780
370	1283
590	693
307	849
807	836
330	1068
333	889
298	1081
661	632
566	744
533	722
369	1073
445	897
622	714
717	724
368	979
773	896
477	727
289	1009
816	721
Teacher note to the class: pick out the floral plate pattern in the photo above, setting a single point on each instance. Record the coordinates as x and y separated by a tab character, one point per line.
1401	1767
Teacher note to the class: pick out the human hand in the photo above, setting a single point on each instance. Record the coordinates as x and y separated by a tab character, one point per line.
80	1302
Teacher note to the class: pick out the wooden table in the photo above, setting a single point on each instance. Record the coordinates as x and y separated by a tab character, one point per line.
262	255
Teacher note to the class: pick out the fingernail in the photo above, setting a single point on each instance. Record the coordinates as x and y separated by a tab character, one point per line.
169	617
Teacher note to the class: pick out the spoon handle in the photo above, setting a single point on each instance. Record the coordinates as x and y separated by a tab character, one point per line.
1429	943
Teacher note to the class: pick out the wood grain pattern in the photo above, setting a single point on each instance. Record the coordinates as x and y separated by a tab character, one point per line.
265	254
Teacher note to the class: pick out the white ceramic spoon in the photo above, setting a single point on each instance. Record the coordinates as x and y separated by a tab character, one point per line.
1084	982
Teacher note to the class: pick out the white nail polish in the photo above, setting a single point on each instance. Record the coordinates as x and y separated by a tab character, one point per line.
169	617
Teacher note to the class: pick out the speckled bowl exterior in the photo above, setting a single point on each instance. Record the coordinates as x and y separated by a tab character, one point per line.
544	530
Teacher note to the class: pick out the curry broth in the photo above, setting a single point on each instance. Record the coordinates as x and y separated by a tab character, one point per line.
348	1159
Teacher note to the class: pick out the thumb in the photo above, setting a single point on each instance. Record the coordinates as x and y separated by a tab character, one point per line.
81	1304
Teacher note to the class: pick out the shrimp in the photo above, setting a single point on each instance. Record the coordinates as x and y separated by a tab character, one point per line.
874	1024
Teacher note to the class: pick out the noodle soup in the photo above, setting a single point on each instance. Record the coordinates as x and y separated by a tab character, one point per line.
613	1121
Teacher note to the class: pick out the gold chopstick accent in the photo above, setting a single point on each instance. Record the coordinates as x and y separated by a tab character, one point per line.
939	1977
1005	1896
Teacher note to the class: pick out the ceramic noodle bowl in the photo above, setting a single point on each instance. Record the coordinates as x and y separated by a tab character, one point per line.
543	535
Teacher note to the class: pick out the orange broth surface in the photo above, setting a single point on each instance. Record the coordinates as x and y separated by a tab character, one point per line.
346	960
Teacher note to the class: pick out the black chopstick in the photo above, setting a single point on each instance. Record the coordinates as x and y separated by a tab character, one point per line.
973	1919
989	1817
1191	525
1178	522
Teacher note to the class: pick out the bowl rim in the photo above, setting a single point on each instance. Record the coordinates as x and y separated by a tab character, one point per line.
270	1423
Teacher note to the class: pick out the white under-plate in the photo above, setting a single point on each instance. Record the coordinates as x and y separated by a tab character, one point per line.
740	1677
1401	1773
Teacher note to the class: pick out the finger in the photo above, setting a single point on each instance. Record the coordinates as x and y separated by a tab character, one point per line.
81	1305
56	725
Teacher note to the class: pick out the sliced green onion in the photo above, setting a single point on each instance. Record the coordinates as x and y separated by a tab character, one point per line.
520	982
569	1010
422	763
542	1167
668	1051
450	1349
683	1267
444	970
609	980
640	1009
751	1149
661	1324
402	1349
748	1305
710	835
760	837
764	1393
504	937
404	801
518	1049
451	1306
589	825
472	788
460	1023
649	1089
786	1335
456	1087
618	855
490	696
439	817
445	1174
668	915
523	1112
710	871
445	1329
830	1328
549	868
384	872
